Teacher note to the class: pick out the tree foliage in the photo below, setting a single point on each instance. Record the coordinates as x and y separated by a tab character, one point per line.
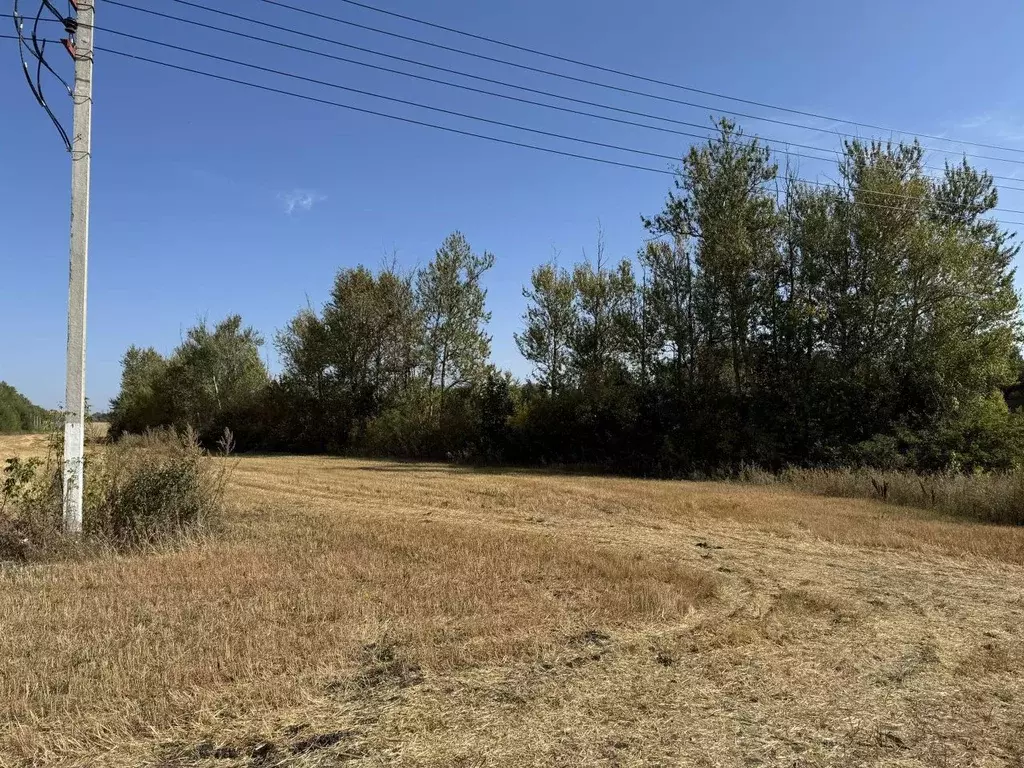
455	346
766	321
17	413
215	375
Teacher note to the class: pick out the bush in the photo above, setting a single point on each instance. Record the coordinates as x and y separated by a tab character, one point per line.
142	491
30	510
145	493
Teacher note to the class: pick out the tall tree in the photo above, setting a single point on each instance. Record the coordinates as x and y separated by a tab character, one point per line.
602	298
669	304
549	324
725	206
215	371
144	399
452	300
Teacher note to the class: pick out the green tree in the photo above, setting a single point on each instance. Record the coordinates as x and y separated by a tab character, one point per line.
453	305
669	305
603	294
143	401
215	371
549	324
17	413
725	206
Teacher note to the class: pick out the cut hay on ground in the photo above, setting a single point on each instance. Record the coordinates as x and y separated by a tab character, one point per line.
369	613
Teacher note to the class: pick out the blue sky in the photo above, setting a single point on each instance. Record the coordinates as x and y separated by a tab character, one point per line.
209	198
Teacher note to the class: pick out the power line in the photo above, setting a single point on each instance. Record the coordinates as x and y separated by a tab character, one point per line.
654	81
464	115
394	99
573	78
452	112
448	129
446	83
363	110
447	70
425	124
460	86
837	154
41	39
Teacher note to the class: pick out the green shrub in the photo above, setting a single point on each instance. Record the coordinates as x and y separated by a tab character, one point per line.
153	489
29	509
145	491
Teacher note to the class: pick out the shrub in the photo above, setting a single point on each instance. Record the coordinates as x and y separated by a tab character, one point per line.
145	492
142	491
29	509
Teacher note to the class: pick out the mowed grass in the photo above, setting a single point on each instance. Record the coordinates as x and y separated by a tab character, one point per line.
373	613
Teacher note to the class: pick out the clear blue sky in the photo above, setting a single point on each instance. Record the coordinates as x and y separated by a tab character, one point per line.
209	198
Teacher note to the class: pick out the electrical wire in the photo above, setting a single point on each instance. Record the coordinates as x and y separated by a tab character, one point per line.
835	153
464	115
418	63
561	75
447	129
37	50
460	86
654	81
411	121
42	40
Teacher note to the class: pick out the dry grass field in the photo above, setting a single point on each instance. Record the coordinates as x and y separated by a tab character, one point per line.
365	613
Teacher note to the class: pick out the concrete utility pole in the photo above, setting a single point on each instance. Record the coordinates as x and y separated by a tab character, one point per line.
81	158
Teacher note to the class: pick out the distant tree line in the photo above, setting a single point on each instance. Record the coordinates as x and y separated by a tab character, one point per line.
18	414
767	321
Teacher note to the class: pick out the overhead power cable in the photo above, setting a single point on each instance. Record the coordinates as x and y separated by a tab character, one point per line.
447	129
461	86
353	108
461	114
36	49
652	80
464	115
15	37
788	144
562	75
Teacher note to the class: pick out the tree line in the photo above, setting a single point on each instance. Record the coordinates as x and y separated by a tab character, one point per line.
18	413
766	321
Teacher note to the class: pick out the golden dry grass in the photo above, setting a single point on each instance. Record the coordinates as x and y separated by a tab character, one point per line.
371	613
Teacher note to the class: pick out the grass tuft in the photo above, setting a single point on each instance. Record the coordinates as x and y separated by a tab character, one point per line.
989	497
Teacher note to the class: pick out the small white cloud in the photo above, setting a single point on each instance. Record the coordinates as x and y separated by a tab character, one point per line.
1001	125
300	199
976	122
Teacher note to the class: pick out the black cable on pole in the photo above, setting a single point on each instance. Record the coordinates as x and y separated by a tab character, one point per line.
652	80
38	46
837	154
464	115
551	73
36	50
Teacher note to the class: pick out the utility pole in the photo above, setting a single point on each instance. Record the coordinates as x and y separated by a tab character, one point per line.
81	158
